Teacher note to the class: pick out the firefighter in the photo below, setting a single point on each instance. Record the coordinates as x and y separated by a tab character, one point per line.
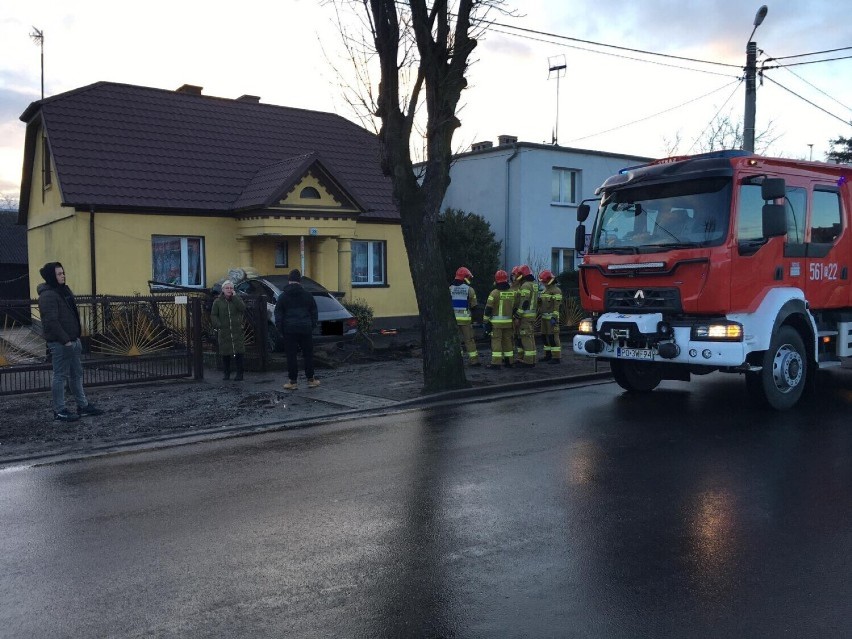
527	311
464	299
551	302
499	317
515	284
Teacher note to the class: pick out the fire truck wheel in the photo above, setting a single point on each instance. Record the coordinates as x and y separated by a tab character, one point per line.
781	382
635	377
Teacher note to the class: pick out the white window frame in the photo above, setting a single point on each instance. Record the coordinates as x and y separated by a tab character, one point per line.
282	248
558	195
184	259
371	262
562	258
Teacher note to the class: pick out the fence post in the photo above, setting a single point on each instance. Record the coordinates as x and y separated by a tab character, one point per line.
197	351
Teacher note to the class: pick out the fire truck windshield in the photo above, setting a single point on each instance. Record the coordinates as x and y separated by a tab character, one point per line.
663	215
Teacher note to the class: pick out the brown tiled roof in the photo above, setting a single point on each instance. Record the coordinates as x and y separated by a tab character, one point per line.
124	147
13	239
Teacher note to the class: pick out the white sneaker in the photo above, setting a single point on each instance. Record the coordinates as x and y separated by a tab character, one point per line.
313	382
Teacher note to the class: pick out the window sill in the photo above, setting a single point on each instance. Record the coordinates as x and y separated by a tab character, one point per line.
565	205
354	285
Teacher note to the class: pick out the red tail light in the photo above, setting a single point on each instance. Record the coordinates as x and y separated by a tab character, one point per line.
351	323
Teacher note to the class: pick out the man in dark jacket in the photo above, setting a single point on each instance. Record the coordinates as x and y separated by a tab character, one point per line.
60	321
295	318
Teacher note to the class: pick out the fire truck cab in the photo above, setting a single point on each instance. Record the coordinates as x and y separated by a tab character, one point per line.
724	261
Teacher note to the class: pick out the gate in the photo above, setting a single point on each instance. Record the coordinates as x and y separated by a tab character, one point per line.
125	340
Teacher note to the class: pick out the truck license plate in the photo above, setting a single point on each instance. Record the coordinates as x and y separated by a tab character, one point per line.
634	353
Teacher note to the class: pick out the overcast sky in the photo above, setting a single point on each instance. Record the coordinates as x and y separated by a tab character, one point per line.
286	51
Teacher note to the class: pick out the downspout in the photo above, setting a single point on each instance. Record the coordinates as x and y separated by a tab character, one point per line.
506	226
92	262
93	265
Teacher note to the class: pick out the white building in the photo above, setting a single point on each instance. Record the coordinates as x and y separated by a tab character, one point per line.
529	194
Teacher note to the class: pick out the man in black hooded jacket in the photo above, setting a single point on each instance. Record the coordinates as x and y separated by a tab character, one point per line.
60	321
296	316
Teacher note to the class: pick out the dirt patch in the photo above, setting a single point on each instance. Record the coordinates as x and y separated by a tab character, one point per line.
389	371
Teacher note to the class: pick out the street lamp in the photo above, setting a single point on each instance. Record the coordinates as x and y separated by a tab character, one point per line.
751	90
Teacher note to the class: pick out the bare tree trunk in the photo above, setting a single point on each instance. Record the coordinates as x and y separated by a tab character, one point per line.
442	70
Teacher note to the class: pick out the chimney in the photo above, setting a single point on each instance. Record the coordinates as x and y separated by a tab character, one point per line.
507	139
189	89
249	98
481	146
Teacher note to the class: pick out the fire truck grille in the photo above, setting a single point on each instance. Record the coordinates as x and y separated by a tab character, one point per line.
643	300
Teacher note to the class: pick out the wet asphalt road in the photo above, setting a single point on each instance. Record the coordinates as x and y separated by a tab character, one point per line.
577	513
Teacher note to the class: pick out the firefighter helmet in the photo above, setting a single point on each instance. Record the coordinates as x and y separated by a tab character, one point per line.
463	273
524	270
545	276
515	271
501	277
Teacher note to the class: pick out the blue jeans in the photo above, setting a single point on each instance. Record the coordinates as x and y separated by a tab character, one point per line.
67	366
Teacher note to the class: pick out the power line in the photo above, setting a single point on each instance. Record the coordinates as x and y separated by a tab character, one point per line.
813	86
614	55
798	64
808	101
621	126
801	55
609	46
713	119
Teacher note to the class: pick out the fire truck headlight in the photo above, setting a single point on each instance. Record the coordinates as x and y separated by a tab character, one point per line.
721	332
586	326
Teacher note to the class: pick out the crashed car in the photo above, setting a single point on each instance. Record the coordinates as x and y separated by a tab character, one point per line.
335	322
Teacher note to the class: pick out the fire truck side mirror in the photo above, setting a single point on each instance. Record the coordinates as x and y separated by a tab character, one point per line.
774	220
583	212
773	188
580	238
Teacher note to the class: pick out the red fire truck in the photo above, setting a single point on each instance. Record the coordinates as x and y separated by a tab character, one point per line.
724	261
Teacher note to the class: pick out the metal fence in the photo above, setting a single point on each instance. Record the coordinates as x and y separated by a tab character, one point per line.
125	340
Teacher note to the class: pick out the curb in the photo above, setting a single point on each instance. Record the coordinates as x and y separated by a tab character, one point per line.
160	442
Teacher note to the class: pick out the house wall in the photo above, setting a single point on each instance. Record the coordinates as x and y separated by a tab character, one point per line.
525	214
123	250
397	298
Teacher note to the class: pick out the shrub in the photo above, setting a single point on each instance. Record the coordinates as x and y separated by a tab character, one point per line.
363	314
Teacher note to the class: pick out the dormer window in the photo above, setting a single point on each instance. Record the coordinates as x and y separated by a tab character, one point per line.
309	193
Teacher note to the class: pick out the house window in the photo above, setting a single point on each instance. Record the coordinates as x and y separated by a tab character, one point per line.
563	186
177	260
562	259
309	193
281	254
368	263
45	163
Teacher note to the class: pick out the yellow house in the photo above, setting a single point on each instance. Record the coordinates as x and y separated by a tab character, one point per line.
133	188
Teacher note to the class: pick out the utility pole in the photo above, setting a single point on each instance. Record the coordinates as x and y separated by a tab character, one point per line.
750	77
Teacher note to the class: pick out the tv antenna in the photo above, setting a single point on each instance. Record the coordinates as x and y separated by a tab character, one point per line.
38	37
556	69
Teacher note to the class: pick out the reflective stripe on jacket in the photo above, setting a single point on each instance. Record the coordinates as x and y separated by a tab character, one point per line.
551	301
529	293
464	298
501	305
